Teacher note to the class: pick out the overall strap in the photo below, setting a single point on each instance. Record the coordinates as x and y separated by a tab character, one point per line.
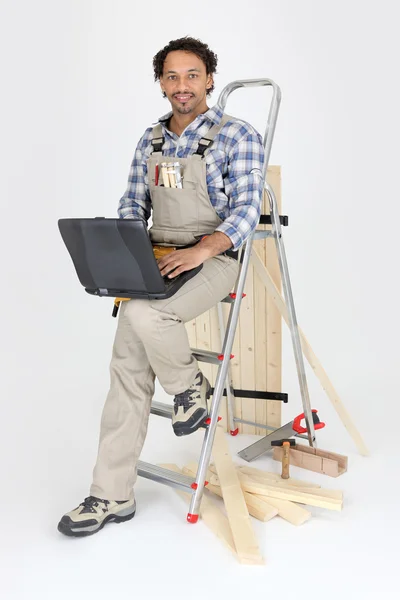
206	142
158	139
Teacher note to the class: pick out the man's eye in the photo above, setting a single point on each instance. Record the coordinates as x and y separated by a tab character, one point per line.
193	75
171	77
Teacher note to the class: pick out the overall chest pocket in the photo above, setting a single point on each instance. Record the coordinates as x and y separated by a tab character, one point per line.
175	208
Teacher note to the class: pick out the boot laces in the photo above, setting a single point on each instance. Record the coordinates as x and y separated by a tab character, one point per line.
185	400
91	502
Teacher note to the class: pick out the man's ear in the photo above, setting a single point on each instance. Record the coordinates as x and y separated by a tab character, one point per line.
210	82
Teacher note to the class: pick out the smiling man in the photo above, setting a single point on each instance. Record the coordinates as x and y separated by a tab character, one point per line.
202	222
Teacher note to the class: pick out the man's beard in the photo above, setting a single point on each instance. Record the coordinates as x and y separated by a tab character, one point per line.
184	110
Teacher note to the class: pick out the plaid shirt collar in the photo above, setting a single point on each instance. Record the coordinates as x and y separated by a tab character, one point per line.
214	115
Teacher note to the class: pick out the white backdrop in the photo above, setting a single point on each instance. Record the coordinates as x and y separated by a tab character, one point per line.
77	92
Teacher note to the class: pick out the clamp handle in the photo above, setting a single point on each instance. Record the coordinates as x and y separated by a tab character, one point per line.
317	423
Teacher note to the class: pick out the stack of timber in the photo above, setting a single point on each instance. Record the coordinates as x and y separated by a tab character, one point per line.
257	346
247	491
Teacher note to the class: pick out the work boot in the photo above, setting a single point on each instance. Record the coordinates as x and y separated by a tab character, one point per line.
190	407
92	514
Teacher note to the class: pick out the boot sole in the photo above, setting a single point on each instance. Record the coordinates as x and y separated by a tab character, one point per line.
67	530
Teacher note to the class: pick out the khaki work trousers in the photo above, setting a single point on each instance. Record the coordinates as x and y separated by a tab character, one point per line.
150	341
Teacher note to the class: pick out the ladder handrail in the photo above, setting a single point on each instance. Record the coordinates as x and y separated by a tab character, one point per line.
273	109
206	450
277	234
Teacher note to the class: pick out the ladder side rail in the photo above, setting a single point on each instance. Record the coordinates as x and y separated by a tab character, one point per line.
267	142
293	325
208	441
229	386
205	455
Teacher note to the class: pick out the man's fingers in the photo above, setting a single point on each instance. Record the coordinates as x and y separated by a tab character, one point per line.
171	267
168	258
163	262
177	262
175	268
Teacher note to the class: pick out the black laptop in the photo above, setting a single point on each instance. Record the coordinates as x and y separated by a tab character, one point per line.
114	257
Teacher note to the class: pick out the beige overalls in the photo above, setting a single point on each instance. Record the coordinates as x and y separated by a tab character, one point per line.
151	338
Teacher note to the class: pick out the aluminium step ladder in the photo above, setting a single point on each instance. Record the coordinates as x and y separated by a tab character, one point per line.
196	485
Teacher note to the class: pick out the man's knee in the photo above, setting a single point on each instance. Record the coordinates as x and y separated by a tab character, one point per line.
144	318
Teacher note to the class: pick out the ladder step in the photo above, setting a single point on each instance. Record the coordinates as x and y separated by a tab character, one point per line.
207	356
165	410
161	409
161	475
228	299
259	234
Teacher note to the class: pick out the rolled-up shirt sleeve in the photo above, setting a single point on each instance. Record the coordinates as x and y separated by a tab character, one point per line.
244	187
136	202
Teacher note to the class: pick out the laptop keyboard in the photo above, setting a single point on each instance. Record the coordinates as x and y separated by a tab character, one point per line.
169	281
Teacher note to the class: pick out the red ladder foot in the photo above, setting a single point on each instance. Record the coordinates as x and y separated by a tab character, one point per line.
235	431
192	518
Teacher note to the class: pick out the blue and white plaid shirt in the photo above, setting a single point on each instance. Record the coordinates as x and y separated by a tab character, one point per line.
234	166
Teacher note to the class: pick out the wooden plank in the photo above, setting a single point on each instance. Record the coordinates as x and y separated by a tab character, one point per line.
280	483
335	495
268	511
191	331
308	489
247	359
249	368
294	514
235	366
313	459
275	477
258	509
330	499
216	346
235	505
273	318
311	357
211	515
260	342
203	335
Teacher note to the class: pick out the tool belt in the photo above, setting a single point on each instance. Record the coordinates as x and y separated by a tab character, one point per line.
160	251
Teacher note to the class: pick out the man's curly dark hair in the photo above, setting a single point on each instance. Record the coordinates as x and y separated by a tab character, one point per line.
187	44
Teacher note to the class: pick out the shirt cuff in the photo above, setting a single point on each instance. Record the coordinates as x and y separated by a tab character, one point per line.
232	234
132	216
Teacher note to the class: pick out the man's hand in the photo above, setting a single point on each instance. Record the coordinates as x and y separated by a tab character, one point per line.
182	260
179	261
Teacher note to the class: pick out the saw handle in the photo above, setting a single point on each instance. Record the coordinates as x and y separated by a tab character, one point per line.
317	423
